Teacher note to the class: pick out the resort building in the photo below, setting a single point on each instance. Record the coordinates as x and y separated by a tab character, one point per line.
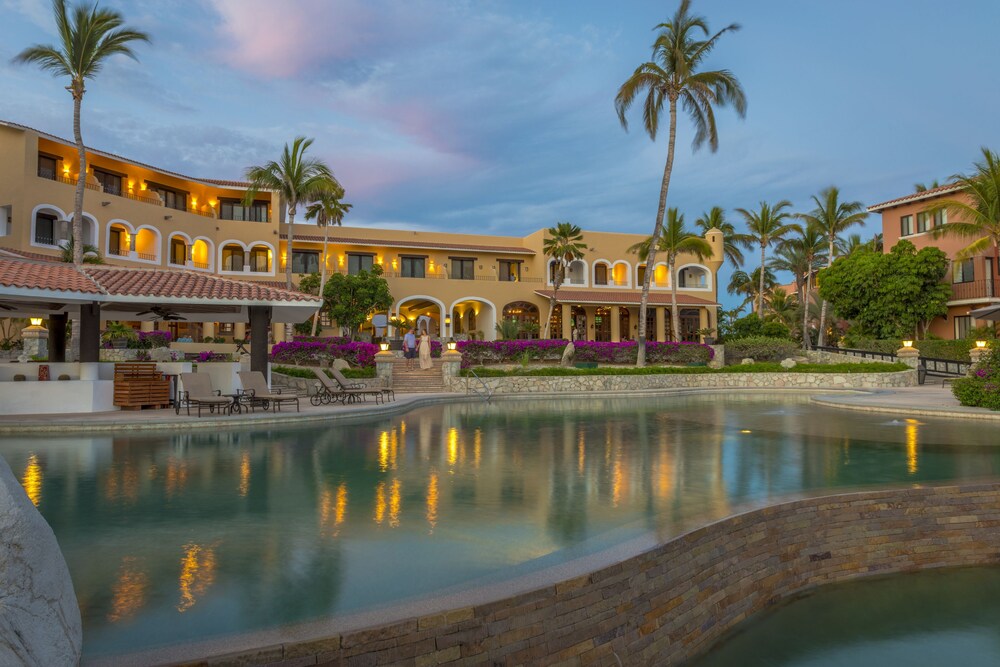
972	280
454	285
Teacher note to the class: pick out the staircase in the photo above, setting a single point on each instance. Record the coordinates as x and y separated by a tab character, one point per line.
417	381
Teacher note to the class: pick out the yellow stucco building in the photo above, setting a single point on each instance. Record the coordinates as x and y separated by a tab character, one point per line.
457	285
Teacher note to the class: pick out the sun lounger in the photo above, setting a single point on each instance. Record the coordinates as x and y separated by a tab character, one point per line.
256	392
198	391
330	391
347	384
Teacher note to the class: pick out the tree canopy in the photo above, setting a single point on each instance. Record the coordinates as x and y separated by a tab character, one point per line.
351	299
888	295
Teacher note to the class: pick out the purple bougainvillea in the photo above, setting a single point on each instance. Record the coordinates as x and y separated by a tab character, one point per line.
317	352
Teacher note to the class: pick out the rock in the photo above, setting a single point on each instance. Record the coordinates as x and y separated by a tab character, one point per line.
788	363
160	354
746	361
340	364
568	354
39	615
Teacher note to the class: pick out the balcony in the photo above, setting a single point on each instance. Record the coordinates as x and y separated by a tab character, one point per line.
975	289
51	175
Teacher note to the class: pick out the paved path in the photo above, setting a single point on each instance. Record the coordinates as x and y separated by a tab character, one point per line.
928	401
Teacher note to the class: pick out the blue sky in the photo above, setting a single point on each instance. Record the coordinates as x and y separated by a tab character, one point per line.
497	117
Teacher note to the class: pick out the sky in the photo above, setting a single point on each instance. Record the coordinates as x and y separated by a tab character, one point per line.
497	117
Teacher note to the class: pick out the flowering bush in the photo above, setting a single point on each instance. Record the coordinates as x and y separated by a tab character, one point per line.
477	353
208	355
339	340
320	352
982	388
147	340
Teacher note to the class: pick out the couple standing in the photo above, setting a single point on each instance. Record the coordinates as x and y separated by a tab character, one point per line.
411	350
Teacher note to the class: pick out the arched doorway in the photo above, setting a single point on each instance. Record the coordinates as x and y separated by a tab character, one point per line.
526	314
690	323
422	310
473	318
602	324
579	323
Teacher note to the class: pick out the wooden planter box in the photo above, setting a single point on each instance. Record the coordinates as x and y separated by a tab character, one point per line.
139	385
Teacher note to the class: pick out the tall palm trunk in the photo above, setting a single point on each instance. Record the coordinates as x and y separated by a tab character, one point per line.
322	276
805	312
289	245
81	181
640	359
760	287
675	316
556	284
821	337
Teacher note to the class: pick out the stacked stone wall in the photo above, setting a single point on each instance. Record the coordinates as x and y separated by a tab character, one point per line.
669	605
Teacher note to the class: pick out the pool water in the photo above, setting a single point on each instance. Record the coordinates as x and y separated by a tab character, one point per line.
924	619
179	537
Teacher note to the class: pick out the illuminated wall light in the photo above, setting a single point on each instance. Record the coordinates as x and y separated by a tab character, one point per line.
340	260
394	265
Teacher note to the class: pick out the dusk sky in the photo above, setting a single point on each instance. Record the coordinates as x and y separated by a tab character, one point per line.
498	117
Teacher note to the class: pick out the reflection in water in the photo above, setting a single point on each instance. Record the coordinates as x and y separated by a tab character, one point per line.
129	592
32	480
453	496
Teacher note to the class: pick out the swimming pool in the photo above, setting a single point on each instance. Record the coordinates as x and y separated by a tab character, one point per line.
179	537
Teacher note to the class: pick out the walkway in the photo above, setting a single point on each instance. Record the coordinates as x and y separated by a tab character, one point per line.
926	401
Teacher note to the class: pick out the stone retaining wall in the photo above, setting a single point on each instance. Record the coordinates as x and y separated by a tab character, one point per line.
626	383
671	604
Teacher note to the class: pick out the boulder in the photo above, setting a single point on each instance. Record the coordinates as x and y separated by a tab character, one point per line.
568	354
788	363
746	361
340	364
160	354
39	615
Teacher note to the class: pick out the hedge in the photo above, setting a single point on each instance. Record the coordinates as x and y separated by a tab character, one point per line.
760	348
953	350
770	367
478	352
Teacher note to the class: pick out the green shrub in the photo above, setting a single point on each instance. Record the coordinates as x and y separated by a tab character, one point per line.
982	388
752	326
775	330
760	348
953	350
769	367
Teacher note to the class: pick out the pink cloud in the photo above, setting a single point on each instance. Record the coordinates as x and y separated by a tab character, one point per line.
280	39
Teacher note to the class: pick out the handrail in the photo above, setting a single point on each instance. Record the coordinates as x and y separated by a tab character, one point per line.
487	392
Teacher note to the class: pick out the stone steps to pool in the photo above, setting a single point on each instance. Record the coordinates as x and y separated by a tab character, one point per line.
417	380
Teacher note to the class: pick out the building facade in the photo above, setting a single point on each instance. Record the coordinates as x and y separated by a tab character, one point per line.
972	280
454	285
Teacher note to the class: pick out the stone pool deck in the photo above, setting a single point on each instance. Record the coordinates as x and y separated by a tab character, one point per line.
925	401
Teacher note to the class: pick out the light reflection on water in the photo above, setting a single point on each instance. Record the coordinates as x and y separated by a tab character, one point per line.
172	538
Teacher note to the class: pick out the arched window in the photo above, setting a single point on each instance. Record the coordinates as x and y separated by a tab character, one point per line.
601	274
692	277
232	257
526	314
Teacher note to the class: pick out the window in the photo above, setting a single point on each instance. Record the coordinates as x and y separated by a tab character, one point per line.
963	272
963	323
174	199
358	263
178	252
232	258
226	328
923	222
509	270
601	274
940	218
412	267
45	228
112	183
233	209
305	261
463	268
47	167
693	277
259	260
115	244
906	225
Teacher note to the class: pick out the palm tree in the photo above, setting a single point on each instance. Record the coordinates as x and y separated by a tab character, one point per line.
672	76
563	243
716	219
920	187
86	40
802	255
765	226
91	253
748	285
674	241
783	306
980	215
833	217
327	210
854	243
296	178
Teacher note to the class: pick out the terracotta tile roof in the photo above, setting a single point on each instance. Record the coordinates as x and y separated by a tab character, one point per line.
916	196
184	285
614	297
113	156
30	255
426	245
20	273
28	274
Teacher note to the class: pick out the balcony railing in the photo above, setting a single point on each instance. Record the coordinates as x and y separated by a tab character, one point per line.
200	265
975	289
146	256
51	175
144	196
44	240
117	252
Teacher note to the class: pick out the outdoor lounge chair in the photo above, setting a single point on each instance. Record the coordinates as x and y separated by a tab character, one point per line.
330	391
256	392
198	391
357	386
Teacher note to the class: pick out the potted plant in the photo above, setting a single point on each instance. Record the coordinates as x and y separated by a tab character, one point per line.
119	334
707	334
399	326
